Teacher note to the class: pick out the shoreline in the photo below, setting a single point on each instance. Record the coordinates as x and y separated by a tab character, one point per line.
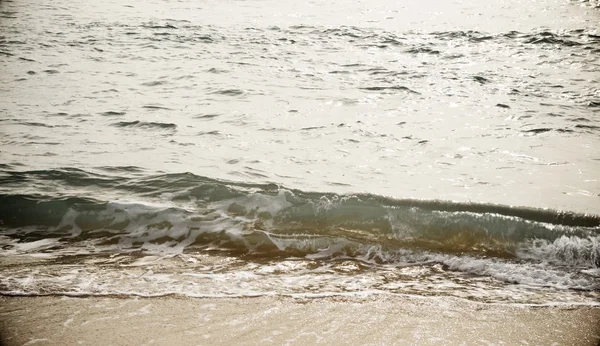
373	320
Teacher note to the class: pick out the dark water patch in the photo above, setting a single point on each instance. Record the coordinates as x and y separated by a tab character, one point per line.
47	154
40	142
423	50
255	172
159	26
501	105
481	38
374	70
206	116
156	107
51	71
453	56
15	42
474	36
183	22
64	176
551	38
209	133
310	128
481	80
538	130
381	71
187	76
380	46
112	114
121	169
8	14
392	88
31	72
393	41
204	39
6	53
36	124
145	125
154	83
183	144
229	92
216	70
594	104
580	119
23	210
348	31
275	129
285	39
80	116
334	183
26	59
6	166
270	28
587	127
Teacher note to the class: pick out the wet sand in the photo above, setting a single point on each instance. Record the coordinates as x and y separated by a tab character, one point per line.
380	320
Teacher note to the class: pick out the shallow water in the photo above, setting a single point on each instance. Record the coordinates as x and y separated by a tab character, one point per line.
261	147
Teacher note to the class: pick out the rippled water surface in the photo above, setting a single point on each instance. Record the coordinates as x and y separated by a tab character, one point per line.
321	147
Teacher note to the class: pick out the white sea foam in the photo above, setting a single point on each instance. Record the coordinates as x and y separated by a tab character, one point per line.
234	278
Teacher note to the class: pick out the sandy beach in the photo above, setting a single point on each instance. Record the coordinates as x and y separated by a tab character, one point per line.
380	320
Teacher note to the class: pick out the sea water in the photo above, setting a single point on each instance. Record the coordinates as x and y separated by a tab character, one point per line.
245	148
